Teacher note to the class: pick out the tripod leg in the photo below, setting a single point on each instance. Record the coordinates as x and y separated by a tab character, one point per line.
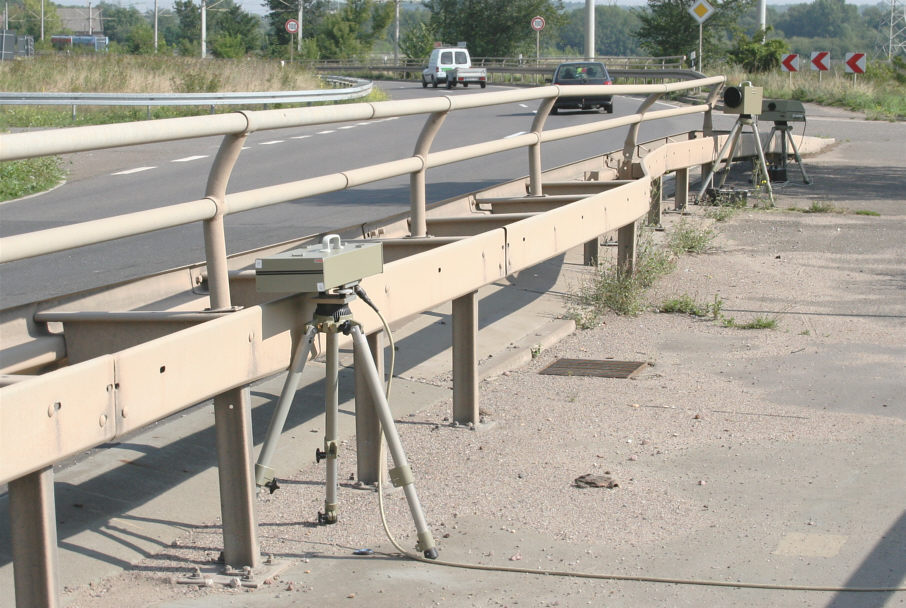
720	156
401	475
764	164
331	410
805	178
733	143
264	475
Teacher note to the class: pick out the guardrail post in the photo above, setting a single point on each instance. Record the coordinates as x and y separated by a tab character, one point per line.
232	409
417	215
33	523
657	196
681	197
465	359
367	422
626	248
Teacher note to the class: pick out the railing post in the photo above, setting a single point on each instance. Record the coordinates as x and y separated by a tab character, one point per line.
367	422
417	199
465	359
631	142
535	181
232	409
33	523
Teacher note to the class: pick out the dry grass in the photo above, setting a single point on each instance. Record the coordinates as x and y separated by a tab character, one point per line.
150	74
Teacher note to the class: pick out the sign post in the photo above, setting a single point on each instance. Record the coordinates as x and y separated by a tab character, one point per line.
538	25
292	28
700	11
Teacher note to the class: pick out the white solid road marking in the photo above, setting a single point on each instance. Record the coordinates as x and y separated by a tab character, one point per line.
131	171
188	159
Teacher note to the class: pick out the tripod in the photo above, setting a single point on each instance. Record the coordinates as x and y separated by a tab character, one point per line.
785	130
730	144
331	317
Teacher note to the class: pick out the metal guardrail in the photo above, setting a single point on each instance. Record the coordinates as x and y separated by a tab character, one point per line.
116	382
354	88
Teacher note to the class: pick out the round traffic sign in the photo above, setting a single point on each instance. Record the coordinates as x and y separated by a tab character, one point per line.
538	23
292	26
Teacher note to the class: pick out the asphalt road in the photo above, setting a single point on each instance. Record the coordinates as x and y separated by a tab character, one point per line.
112	182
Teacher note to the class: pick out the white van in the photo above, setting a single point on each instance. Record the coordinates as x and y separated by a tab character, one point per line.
443	60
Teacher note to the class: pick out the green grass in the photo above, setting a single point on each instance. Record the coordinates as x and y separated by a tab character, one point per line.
687	305
20	178
760	322
867	212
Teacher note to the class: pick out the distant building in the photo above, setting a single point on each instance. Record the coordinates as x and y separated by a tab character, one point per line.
81	20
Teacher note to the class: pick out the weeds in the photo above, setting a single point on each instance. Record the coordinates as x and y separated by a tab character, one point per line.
684	304
689	237
618	290
20	178
867	212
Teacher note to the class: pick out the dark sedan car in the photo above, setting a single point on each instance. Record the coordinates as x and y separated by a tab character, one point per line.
582	73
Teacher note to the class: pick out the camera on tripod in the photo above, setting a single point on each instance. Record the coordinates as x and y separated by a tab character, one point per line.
744	99
319	268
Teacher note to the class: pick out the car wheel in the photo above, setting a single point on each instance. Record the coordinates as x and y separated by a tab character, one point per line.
434	81
450	83
483	85
610	108
465	85
555	110
424	83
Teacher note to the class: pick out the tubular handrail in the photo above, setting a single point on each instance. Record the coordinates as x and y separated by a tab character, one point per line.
34	144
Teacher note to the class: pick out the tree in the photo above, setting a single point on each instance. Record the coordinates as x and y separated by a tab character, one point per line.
492	28
119	22
25	18
756	54
416	43
615	29
668	28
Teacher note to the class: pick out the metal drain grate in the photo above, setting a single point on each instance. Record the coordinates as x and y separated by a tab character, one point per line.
591	367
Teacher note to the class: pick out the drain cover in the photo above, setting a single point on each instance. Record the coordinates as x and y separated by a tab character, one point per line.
591	367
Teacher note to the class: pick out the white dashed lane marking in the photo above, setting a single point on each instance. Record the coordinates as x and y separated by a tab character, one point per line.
131	171
272	142
189	159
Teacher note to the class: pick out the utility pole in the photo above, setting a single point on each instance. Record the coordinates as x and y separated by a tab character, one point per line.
204	28
155	27
396	36
589	30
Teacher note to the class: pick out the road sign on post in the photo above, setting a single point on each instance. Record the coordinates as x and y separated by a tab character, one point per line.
292	27
700	11
538	25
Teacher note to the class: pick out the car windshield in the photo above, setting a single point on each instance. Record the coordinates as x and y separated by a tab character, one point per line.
580	71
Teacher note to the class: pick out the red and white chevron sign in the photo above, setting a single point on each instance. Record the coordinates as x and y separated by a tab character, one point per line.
820	60
790	62
855	63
